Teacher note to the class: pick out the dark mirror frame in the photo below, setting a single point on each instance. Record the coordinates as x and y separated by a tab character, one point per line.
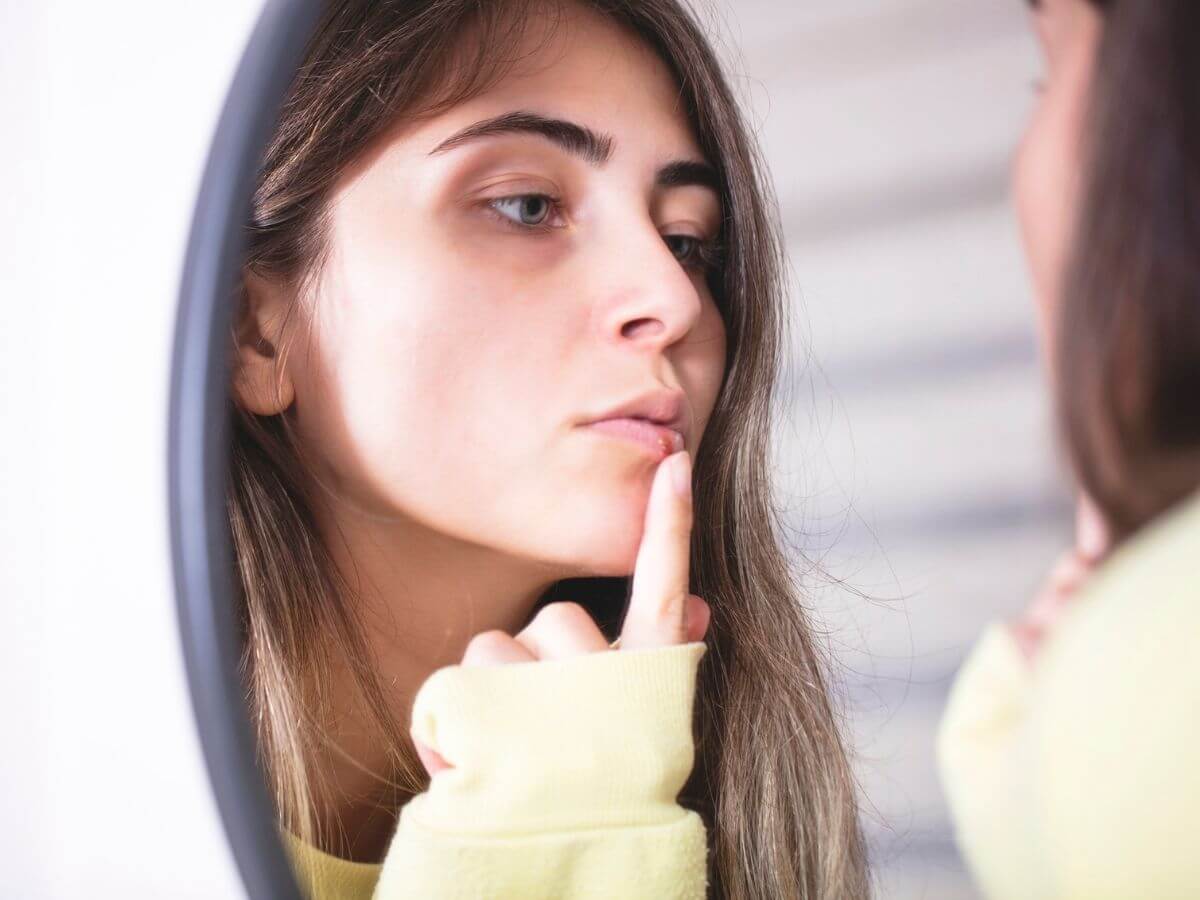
198	442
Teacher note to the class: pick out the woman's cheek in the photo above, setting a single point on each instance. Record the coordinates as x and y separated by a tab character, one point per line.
1042	173
713	340
1029	217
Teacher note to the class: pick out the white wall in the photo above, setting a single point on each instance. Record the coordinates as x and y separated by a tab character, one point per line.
108	110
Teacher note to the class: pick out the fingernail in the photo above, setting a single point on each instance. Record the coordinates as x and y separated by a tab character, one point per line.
681	474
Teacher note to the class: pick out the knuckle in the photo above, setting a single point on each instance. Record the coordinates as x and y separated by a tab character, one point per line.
672	607
665	621
487	644
563	614
671	629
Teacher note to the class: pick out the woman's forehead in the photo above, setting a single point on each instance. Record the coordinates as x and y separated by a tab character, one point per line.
582	66
578	67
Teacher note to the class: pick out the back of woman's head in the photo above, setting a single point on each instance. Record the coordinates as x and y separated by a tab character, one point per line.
1128	341
772	778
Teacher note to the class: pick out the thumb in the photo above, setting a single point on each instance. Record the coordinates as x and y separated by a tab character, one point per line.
433	761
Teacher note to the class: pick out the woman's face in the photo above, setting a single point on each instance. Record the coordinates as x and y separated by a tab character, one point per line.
1046	173
501	273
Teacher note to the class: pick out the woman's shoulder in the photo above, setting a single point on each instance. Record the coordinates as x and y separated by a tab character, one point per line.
1150	586
1117	720
1131	637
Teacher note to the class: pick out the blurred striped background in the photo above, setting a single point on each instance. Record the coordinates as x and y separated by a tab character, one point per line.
917	456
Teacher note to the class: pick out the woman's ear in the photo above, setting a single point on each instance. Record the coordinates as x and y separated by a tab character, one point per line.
261	382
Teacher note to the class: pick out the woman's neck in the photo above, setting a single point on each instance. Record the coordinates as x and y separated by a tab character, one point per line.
420	597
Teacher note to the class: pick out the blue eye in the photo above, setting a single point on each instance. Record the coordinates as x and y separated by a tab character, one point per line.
525	209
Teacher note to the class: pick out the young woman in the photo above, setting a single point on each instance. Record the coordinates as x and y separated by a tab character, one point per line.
481	229
1068	747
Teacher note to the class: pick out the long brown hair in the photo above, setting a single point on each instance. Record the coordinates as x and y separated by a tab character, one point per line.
772	780
1129	331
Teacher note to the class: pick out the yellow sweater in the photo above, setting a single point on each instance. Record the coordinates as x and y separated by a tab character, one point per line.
564	784
1079	777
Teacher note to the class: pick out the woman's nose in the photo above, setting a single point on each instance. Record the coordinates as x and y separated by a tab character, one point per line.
650	299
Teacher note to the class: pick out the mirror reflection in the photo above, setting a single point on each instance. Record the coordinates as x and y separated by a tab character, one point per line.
512	292
656	433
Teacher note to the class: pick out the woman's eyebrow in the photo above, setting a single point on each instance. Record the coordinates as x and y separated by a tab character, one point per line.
688	172
594	147
579	140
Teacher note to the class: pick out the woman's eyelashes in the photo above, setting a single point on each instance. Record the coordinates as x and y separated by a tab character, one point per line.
693	252
542	213
529	210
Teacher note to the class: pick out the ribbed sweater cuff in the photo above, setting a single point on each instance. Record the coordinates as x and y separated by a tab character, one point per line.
594	741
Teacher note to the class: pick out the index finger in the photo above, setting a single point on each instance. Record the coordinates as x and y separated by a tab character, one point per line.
657	614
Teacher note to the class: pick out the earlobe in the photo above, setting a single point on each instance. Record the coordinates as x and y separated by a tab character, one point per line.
261	381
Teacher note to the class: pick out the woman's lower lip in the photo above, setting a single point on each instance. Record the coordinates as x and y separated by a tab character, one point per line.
657	438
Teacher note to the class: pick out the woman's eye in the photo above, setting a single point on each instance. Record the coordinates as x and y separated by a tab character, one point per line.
525	209
690	251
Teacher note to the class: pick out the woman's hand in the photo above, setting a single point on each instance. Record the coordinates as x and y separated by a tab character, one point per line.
661	609
1069	573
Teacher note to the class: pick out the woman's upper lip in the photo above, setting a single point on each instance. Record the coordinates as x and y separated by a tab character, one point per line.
663	407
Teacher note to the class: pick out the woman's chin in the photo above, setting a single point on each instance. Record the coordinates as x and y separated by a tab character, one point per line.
604	542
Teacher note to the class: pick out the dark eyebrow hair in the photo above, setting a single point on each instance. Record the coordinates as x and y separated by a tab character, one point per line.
687	172
595	148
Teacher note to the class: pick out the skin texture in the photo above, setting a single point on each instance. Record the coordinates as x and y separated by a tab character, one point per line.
438	375
1046	185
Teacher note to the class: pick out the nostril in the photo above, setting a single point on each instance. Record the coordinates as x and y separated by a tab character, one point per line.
642	328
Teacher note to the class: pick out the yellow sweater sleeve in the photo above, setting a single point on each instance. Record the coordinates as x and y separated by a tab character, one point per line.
1080	777
564	782
984	748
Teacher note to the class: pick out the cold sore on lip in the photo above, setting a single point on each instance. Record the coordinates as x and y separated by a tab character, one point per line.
659	438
